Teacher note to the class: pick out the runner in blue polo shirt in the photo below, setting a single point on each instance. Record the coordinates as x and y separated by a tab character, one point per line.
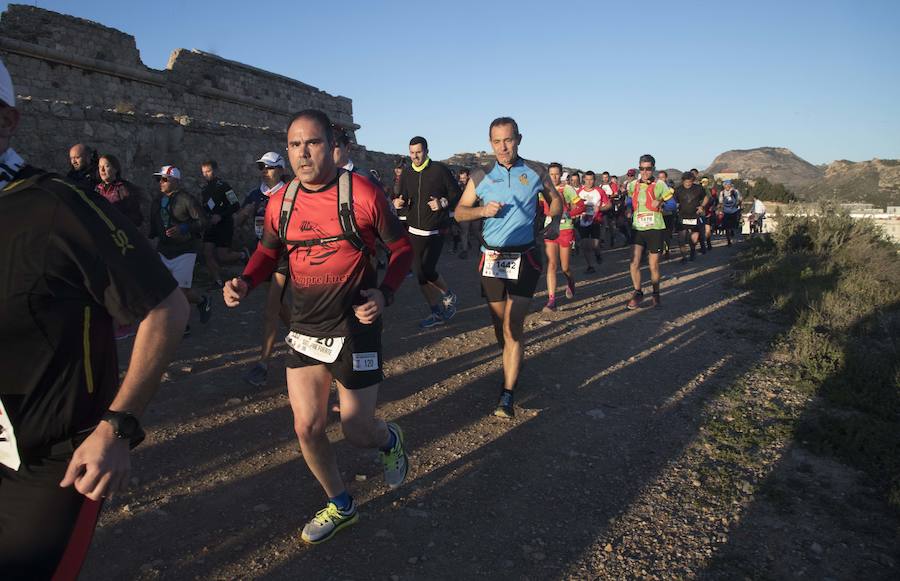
507	198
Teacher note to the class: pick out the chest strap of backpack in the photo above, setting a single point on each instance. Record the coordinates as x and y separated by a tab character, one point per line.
349	228
649	197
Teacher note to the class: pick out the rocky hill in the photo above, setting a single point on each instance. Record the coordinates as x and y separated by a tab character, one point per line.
777	164
876	181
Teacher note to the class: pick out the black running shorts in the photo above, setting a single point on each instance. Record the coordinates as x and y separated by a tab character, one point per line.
220	234
45	530
651	240
365	344
497	289
593	230
732	221
682	227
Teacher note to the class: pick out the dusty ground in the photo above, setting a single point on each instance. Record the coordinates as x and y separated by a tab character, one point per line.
627	457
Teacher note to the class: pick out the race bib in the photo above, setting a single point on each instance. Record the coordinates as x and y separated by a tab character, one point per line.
258	226
231	196
645	219
502	265
321	349
210	204
689	221
365	361
9	451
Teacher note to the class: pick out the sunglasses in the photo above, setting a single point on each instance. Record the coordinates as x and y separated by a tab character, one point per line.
162	179
647	168
262	166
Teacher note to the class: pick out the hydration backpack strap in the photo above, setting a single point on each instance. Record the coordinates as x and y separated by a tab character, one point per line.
345	212
649	197
287	208
349	228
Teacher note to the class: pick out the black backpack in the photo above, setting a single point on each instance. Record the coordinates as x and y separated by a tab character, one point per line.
349	228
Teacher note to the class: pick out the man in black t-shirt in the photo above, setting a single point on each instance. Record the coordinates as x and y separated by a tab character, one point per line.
221	204
692	200
70	264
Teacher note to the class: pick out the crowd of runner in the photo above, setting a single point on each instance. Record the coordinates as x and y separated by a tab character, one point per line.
324	231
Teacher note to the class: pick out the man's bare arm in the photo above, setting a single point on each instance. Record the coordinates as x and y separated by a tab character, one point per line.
466	209
102	463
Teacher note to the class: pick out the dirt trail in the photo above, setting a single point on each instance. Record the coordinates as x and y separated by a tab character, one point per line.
611	403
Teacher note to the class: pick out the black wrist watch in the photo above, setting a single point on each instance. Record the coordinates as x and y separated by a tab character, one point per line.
126	427
388	295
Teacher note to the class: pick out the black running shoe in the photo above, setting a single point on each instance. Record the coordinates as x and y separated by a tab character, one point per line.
205	308
505	405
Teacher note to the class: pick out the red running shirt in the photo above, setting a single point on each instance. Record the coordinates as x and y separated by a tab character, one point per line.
327	279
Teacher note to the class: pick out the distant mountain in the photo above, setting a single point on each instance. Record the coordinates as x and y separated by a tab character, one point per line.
876	181
776	164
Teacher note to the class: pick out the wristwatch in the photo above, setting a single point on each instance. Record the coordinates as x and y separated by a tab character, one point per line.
126	426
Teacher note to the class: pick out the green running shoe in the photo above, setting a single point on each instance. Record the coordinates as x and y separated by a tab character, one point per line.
328	522
396	463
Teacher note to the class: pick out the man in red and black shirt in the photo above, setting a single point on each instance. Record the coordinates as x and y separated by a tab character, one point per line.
337	306
69	263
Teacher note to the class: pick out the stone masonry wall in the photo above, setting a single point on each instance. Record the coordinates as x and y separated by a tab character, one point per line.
79	81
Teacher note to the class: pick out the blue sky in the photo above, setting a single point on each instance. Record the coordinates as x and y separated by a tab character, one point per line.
592	84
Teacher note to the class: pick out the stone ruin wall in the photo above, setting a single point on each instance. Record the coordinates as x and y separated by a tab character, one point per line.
79	81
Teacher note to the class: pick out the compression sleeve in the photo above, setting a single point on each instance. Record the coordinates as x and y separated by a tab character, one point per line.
261	265
399	263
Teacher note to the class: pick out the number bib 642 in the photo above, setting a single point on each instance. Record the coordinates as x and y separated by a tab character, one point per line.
324	349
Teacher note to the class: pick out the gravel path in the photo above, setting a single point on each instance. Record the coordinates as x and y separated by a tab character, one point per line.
621	462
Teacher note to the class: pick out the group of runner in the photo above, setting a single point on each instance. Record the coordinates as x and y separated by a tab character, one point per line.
67	424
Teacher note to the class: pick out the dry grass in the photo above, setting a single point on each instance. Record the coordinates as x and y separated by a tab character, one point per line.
837	282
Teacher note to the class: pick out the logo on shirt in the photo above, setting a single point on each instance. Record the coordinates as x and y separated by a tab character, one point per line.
121	240
524	179
320	253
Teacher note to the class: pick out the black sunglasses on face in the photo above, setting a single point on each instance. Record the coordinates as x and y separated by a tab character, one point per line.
648	168
262	166
162	179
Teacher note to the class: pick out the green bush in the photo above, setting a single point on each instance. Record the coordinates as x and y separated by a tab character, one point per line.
766	190
838	282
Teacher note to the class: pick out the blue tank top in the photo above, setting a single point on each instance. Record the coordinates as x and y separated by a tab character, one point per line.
517	188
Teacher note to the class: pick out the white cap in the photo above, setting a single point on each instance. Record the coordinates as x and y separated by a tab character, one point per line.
564	176
271	159
7	94
169	171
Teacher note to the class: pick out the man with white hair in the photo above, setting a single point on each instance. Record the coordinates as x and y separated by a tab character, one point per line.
272	170
70	264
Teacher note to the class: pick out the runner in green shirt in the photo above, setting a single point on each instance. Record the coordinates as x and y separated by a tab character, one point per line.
559	250
647	196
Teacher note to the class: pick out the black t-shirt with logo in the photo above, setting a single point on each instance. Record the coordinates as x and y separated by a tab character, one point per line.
219	199
688	200
70	264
